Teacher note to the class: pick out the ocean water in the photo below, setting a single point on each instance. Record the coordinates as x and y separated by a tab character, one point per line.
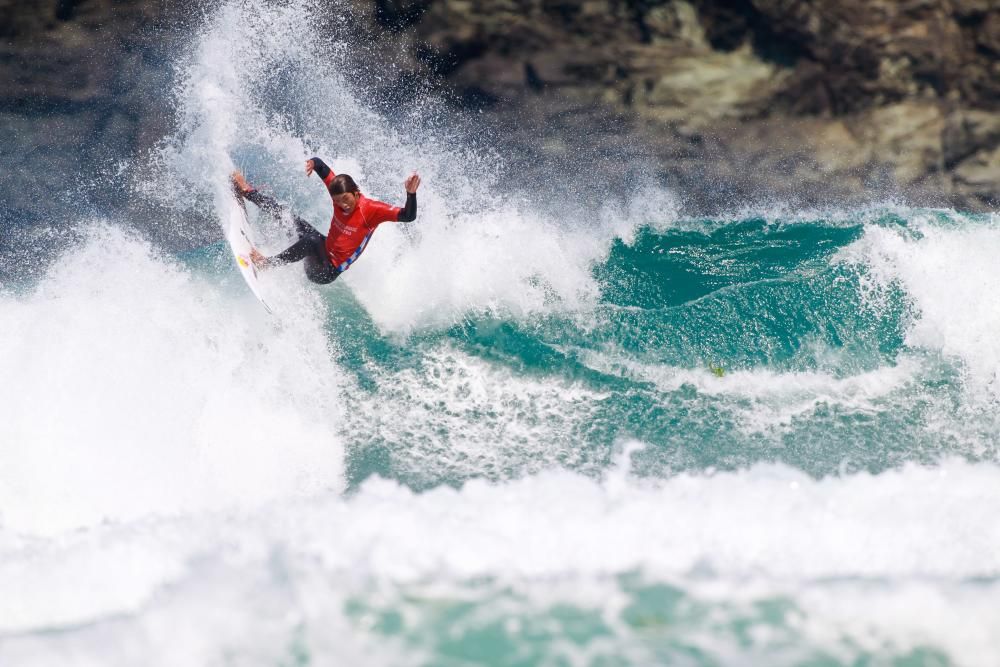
519	431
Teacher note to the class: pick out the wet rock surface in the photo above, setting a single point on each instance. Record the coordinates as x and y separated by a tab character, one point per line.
84	84
806	102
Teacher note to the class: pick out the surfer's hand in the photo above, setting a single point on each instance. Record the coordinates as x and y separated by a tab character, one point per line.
310	165
412	183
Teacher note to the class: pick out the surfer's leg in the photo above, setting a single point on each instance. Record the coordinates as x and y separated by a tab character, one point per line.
310	247
318	267
294	253
305	230
265	203
306	246
320	271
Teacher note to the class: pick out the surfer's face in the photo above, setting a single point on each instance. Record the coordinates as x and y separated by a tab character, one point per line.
346	202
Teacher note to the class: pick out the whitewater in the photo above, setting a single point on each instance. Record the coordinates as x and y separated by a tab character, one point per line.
526	429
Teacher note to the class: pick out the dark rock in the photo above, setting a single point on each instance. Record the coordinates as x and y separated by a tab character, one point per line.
83	88
723	100
899	91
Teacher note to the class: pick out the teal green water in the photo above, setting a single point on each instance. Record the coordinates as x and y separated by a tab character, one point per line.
689	321
657	624
721	347
745	297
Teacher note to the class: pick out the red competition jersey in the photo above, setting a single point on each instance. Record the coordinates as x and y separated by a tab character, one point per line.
349	234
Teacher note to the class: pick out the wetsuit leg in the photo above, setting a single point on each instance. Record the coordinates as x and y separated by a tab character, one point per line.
310	247
320	270
265	203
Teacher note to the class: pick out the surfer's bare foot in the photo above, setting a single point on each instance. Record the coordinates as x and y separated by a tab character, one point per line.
240	183
258	259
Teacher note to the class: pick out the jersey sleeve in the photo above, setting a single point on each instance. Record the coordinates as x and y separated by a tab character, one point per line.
379	212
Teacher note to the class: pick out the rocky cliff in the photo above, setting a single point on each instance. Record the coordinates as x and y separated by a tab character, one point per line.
83	84
804	101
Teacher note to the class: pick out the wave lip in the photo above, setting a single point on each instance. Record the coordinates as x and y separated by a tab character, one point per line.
949	273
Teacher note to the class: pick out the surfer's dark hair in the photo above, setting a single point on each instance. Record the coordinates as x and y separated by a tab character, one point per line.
341	184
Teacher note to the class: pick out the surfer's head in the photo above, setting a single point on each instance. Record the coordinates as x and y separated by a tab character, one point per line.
345	192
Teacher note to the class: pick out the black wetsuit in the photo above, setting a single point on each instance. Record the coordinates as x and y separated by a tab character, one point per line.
310	247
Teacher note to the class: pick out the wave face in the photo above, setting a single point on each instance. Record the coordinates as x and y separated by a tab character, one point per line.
520	431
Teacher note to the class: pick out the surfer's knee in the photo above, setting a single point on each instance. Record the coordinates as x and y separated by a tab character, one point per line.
322	278
307	231
321	275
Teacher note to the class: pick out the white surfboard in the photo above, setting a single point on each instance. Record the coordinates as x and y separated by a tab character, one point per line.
238	235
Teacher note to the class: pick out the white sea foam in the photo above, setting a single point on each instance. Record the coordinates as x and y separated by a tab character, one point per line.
502	262
458	415
950	275
262	91
889	559
132	388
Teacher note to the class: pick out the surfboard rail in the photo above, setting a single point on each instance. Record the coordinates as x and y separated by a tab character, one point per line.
241	243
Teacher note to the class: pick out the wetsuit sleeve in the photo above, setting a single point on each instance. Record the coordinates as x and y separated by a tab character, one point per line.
409	212
322	170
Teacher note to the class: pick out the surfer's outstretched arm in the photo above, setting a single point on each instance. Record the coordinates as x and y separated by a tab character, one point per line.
409	212
324	172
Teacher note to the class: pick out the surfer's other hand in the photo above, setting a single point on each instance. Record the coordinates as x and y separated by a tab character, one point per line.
310	165
240	182
412	183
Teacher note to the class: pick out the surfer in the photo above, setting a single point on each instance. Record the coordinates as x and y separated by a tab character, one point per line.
355	218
